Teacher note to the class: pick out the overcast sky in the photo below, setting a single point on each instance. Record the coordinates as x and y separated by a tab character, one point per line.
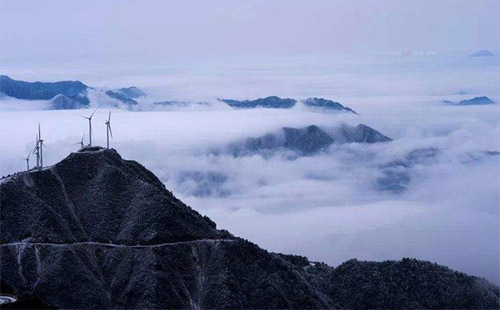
39	31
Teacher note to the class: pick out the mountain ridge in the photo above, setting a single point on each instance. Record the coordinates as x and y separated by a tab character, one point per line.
133	244
64	94
307	140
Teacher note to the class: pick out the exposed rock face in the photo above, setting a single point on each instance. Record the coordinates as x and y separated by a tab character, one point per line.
97	231
326	104
268	102
40	90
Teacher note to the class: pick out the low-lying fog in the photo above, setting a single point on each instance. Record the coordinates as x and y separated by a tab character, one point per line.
327	206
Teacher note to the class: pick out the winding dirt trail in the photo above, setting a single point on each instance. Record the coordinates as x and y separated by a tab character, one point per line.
112	245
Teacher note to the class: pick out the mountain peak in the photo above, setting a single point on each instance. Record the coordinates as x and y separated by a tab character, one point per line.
95	195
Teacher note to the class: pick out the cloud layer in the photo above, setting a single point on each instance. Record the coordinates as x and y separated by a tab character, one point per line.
327	206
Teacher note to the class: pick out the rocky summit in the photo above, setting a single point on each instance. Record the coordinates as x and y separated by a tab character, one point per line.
98	231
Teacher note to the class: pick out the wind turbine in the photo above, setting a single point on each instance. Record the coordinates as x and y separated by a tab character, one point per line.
108	129
90	126
81	142
41	145
37	152
27	159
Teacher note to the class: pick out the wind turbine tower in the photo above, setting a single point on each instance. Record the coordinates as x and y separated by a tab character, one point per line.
36	151
41	145
108	129
27	159
80	142
90	126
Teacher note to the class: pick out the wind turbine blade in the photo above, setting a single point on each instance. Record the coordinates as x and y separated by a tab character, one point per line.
39	131
109	117
92	113
83	116
110	132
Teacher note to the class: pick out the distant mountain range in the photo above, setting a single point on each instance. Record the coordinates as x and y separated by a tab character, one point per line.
274	102
65	94
482	53
40	90
96	231
76	95
306	141
325	104
483	100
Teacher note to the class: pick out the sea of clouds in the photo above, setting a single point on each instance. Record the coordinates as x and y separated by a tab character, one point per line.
326	206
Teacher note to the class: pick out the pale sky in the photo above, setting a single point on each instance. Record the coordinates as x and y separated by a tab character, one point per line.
41	30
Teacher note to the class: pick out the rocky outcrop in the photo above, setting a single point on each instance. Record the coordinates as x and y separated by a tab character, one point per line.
98	231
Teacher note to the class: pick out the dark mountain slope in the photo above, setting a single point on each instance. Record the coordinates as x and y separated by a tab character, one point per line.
96	196
97	231
407	284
